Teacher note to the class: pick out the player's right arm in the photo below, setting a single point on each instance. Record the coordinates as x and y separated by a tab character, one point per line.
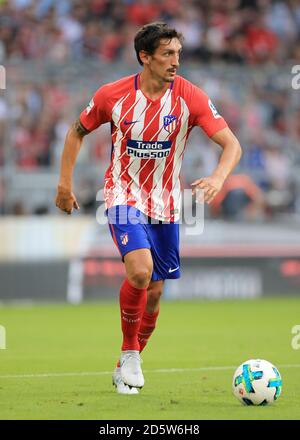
65	198
91	118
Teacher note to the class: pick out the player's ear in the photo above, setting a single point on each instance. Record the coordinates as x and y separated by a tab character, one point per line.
144	56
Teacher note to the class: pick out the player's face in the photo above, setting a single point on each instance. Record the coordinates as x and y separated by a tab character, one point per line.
164	63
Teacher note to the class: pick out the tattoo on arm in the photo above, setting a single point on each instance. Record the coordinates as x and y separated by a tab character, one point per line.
79	128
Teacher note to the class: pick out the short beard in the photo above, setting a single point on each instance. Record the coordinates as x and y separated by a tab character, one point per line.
169	80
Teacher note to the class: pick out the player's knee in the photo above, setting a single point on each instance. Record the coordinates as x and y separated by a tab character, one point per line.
140	278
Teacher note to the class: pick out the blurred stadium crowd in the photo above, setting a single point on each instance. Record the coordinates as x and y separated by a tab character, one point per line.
239	31
239	51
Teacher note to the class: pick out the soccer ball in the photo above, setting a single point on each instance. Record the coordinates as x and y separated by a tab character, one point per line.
256	382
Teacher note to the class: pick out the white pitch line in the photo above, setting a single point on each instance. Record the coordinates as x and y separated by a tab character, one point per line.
103	373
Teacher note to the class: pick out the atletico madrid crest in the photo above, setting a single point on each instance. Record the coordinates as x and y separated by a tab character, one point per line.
124	238
170	123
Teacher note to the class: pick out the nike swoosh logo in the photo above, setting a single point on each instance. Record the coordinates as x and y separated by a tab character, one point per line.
130	314
129	122
173	270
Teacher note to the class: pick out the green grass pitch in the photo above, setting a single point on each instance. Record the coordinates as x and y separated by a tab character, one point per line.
59	358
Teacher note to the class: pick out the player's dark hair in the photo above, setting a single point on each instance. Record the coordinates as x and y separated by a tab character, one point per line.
149	36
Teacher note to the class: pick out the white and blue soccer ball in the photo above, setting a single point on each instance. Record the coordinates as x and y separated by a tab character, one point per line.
257	382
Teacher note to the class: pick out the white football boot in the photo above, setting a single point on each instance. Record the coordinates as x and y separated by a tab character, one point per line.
120	386
131	372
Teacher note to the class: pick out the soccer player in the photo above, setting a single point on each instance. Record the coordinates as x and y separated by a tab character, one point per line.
151	115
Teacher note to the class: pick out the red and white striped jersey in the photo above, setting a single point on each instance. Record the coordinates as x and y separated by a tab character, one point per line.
148	141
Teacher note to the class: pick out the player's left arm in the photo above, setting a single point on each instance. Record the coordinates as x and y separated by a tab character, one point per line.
230	157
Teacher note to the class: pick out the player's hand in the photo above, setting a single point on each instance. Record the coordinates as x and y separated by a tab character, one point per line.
66	200
210	187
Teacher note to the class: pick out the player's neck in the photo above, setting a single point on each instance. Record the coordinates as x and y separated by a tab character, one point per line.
151	87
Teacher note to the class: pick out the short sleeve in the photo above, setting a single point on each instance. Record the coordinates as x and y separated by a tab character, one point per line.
204	114
96	113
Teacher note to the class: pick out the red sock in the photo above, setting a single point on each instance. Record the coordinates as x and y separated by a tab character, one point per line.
132	306
146	328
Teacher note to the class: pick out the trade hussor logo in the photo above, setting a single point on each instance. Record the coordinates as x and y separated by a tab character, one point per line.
148	149
170	123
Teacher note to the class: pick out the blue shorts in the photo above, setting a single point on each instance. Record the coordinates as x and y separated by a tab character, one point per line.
131	230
